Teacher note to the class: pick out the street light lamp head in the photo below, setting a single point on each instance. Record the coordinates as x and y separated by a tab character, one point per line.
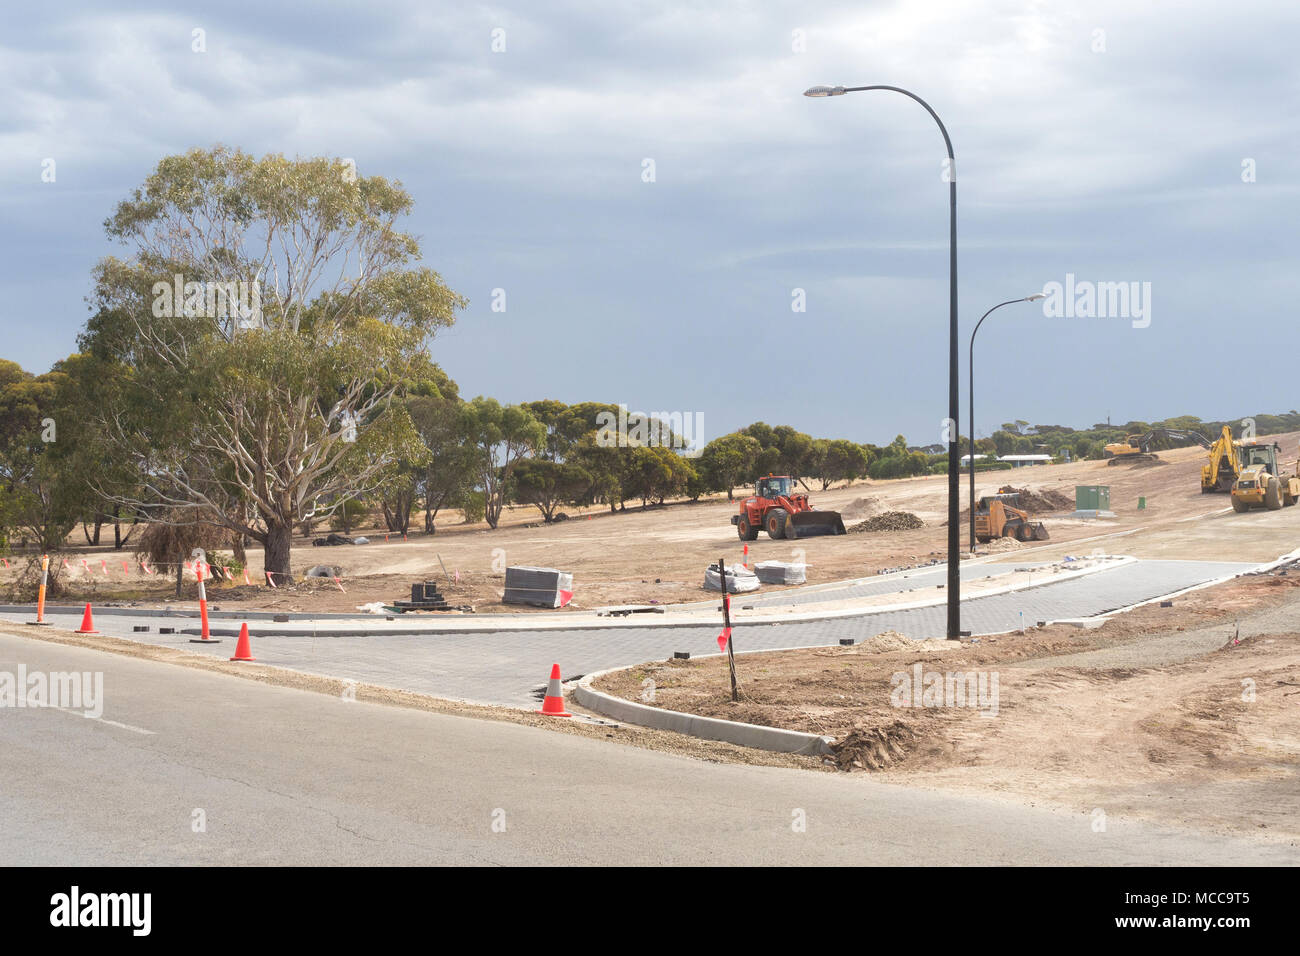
1036	296
824	91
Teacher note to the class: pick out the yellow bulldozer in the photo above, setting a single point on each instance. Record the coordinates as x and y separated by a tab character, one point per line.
1260	482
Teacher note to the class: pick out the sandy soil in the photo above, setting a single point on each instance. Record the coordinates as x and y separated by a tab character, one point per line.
1145	716
659	555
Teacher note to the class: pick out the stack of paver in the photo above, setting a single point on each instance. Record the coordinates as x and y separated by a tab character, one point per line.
780	572
540	587
739	579
424	597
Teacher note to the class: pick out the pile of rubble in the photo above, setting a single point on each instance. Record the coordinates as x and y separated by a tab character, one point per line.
872	748
890	521
1040	502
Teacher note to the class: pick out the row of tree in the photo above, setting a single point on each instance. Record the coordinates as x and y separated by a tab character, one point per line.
257	362
1061	441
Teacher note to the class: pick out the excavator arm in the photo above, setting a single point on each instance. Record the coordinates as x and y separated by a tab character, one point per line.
1220	472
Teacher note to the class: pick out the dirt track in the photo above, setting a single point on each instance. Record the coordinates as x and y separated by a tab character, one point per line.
659	555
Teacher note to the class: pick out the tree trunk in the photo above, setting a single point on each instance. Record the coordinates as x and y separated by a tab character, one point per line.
275	550
180	572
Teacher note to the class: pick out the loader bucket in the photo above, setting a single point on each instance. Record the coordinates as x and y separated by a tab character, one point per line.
811	524
1039	531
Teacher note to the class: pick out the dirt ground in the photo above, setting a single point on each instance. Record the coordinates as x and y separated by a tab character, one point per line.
1156	714
659	554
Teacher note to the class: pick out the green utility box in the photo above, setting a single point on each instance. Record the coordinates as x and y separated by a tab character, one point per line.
1092	497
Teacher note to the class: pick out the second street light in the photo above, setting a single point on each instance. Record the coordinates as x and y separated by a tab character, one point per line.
970	380
954	440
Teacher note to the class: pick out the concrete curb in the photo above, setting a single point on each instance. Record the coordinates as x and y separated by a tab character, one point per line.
708	728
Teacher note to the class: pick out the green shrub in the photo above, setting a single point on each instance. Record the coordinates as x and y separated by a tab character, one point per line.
349	515
474	507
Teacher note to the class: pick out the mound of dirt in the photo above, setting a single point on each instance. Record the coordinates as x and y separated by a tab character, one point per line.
1000	544
1038	502
872	748
861	507
890	521
887	641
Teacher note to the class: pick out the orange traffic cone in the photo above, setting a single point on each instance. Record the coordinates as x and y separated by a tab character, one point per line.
242	651
87	623
553	705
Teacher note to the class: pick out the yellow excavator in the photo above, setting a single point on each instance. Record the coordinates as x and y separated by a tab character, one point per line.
1138	447
1260	482
1224	466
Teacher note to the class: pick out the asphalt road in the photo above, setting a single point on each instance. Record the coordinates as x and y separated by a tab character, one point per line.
290	777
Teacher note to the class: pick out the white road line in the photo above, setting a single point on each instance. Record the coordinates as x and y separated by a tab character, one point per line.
104	720
130	727
1208	514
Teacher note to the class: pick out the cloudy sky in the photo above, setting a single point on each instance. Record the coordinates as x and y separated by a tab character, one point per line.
1107	140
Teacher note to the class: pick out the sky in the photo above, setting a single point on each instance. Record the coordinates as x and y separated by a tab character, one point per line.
656	198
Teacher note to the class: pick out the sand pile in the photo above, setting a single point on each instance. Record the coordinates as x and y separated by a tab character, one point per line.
861	507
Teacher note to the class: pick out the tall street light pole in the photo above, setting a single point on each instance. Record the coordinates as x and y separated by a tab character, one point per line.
970	379
954	440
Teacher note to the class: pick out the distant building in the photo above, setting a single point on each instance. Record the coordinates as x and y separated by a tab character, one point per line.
1019	461
965	459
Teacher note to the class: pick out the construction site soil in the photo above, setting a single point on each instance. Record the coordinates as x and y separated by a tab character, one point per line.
658	554
1187	714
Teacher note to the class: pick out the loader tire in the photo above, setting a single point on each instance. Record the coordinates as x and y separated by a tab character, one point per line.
1273	496
746	530
776	524
1239	506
